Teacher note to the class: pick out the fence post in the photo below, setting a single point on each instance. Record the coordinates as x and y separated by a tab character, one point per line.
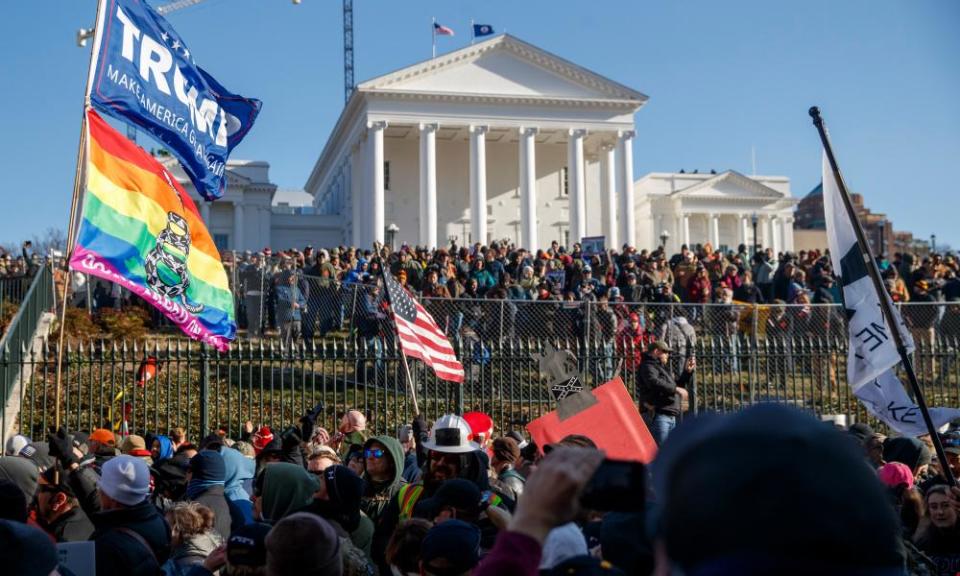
204	390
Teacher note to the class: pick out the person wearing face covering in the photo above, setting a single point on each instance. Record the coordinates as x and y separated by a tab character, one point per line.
282	489
238	475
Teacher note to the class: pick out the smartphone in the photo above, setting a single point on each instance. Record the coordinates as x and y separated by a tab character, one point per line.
617	485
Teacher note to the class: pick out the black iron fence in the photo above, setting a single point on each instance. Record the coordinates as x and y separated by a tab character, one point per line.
267	383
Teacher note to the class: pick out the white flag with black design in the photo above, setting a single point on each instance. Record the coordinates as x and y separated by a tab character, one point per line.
872	349
873	354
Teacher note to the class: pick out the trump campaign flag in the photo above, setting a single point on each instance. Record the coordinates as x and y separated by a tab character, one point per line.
873	354
144	73
140	229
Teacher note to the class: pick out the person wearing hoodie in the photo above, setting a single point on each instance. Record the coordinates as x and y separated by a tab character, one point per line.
338	502
192	537
282	489
383	463
205	482
161	449
910	451
238	474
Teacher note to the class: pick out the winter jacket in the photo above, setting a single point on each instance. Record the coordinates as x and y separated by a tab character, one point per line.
658	386
214	499
192	552
119	552
514	554
411	468
72	526
378	494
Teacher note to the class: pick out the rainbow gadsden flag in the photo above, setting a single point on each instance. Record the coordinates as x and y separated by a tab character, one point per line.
141	230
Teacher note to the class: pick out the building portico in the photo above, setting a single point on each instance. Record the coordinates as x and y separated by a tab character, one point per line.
499	140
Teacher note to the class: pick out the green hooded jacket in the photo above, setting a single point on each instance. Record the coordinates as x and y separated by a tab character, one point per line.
287	488
377	495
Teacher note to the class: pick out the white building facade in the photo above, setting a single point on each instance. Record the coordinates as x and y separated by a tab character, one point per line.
498	140
692	209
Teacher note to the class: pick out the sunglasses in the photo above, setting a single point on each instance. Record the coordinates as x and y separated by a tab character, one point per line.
373	453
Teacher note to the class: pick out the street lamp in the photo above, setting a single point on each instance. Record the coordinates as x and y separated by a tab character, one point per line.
392	230
933	243
664	236
753	220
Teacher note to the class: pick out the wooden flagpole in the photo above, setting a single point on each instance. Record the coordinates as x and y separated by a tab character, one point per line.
79	178
886	307
411	389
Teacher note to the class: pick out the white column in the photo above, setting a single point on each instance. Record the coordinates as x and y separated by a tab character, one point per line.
782	237
628	222
375	230
715	231
528	189
478	184
774	237
788	234
428	185
608	187
686	229
744	232
357	188
238	241
577	183
205	212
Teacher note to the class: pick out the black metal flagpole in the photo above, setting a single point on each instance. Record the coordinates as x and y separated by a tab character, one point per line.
886	307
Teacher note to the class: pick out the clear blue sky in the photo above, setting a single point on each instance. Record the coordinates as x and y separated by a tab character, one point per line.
721	76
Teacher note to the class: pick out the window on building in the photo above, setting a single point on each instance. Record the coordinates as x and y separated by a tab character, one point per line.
222	242
565	181
386	175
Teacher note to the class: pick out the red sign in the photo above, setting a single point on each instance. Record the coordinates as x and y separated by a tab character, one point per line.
612	421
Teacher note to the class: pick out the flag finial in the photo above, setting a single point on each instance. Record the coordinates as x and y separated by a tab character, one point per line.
815	114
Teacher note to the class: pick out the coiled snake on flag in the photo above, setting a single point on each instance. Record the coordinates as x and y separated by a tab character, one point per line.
166	263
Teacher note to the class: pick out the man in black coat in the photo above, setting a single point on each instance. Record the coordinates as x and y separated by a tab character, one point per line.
660	390
58	510
131	537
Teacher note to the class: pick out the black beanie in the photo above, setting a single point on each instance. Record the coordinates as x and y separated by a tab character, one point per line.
345	490
773	486
25	550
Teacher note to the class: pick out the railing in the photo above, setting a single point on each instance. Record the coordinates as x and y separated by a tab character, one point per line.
12	291
16	341
271	384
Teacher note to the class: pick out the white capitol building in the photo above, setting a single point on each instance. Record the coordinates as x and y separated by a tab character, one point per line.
497	140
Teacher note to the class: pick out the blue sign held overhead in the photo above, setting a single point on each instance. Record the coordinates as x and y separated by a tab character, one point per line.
145	74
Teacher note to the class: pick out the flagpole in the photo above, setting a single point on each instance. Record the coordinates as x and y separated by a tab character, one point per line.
473	35
886	307
411	389
433	32
78	182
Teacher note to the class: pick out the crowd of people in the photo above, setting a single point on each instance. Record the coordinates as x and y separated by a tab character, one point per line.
19	265
768	490
309	293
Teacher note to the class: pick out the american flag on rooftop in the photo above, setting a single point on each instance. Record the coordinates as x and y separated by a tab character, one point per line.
441	30
419	335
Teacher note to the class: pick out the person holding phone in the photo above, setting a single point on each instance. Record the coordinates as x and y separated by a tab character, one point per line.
661	391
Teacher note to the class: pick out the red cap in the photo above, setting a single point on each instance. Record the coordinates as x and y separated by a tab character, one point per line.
893	474
480	423
261	438
634	317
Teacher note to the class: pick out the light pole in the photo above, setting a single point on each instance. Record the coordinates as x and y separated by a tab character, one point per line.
933	243
664	236
392	230
756	245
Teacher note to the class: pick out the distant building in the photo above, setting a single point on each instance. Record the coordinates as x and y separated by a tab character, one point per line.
877	228
697	208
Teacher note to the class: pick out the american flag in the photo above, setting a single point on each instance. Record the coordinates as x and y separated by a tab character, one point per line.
420	337
441	30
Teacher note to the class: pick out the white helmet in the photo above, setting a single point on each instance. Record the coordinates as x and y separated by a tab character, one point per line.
450	434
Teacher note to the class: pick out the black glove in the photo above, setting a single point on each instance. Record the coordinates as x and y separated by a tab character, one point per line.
61	447
309	420
290	438
420	429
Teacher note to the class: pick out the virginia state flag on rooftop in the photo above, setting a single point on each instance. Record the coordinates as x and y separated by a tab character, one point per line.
143	73
141	230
